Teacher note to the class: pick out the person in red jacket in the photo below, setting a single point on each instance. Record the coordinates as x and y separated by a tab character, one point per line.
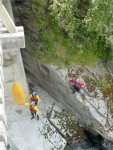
34	97
76	85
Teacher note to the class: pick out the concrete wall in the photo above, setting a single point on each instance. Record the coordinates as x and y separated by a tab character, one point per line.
10	59
3	122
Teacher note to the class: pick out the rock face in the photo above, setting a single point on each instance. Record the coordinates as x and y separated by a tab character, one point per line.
92	107
24	12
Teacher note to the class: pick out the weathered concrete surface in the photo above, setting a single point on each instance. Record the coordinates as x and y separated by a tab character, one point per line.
92	111
24	133
12	40
13	68
3	122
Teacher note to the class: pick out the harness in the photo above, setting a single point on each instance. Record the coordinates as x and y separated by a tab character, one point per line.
34	99
77	85
32	108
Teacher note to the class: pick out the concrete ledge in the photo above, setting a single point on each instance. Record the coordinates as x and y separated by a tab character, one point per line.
12	40
2	146
3	133
19	29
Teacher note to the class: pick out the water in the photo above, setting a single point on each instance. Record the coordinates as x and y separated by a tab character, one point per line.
81	145
93	142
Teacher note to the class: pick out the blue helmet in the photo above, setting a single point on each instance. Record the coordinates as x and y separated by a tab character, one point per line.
34	93
32	103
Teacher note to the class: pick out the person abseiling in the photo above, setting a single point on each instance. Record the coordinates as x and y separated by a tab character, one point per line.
34	97
34	109
76	85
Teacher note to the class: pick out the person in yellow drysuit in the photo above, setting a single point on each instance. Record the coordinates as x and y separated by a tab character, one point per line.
33	108
34	97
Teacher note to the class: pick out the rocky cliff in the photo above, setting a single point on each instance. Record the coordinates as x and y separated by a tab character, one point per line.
93	107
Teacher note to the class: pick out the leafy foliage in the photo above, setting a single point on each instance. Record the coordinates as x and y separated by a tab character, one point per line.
82	19
99	21
50	44
66	13
70	31
69	14
99	18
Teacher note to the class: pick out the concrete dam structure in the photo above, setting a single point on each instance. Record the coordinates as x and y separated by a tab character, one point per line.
11	66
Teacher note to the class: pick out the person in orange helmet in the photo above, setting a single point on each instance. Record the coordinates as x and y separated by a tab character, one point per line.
34	97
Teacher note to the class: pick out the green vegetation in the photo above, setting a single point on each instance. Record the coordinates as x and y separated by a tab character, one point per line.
107	90
60	49
74	31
